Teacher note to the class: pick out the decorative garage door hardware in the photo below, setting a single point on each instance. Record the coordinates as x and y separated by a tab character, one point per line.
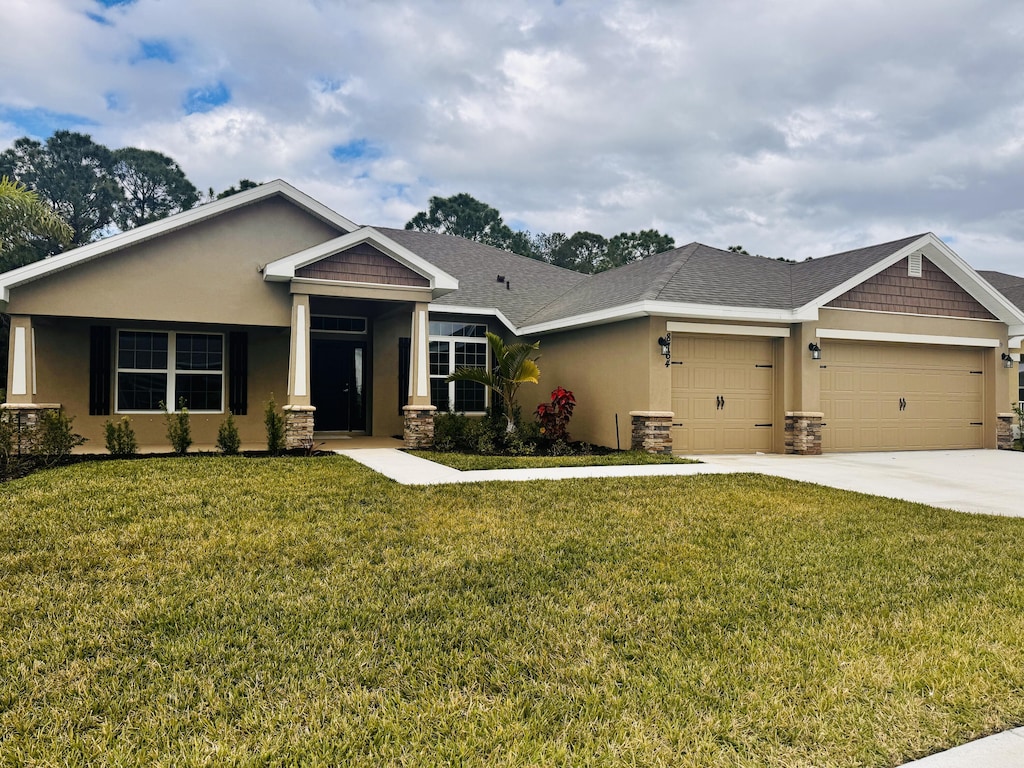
720	403
903	404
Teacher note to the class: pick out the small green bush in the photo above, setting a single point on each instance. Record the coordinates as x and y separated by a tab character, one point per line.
121	437
274	422
55	437
228	441
179	430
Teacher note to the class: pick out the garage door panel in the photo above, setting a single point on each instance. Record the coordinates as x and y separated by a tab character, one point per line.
942	397
724	394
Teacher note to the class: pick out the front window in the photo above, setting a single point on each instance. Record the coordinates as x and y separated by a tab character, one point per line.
457	345
158	366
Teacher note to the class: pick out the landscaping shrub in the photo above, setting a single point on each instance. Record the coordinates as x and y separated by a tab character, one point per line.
553	417
274	422
179	431
121	438
54	437
228	441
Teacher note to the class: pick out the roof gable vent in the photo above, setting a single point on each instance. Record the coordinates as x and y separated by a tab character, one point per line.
914	265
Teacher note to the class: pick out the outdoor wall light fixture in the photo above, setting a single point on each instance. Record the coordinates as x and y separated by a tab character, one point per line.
815	351
665	342
1007	360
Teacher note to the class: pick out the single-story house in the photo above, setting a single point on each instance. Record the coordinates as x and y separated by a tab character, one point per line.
354	329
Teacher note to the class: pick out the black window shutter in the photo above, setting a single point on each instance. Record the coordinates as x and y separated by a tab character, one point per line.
99	370
238	373
404	360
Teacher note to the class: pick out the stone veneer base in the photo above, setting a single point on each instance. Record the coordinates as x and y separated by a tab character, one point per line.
651	431
298	426
803	432
419	426
1004	431
25	417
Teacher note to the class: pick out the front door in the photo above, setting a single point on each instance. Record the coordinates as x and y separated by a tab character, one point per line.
338	379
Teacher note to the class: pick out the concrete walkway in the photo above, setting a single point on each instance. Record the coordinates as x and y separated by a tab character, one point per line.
969	481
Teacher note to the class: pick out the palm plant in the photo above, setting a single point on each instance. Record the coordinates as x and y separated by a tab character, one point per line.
23	215
513	367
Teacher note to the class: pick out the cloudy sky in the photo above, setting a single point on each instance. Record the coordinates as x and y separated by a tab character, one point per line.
794	127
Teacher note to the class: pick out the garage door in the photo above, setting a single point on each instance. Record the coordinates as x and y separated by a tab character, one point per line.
722	394
882	397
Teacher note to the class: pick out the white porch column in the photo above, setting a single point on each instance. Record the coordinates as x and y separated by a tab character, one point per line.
298	363
21	380
419	362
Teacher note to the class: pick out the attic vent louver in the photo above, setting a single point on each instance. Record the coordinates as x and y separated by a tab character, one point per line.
914	265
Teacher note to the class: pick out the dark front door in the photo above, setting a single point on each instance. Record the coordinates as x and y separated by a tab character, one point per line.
338	378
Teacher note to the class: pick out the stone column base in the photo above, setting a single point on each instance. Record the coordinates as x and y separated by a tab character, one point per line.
652	431
298	426
803	432
24	418
1004	431
419	426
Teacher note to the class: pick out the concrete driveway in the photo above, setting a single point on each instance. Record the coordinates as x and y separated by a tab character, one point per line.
969	481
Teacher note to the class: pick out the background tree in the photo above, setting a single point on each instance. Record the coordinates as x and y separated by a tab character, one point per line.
153	186
73	174
464	216
243	184
583	252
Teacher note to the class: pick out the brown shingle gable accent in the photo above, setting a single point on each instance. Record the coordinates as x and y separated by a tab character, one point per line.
362	264
893	290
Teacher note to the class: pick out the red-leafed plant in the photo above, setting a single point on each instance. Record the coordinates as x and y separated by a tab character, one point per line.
554	416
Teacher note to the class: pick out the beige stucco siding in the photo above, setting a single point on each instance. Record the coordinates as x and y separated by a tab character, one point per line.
62	376
611	369
385	417
207	273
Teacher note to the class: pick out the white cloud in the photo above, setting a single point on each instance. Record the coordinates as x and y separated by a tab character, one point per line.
794	128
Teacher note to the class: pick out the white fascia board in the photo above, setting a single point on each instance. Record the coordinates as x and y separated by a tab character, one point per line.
949	262
843	334
283	270
123	240
773	331
672	309
455	309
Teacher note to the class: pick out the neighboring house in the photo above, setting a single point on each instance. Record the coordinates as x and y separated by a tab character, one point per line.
1012	287
354	329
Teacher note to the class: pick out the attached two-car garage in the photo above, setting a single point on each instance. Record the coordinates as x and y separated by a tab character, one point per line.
875	396
882	397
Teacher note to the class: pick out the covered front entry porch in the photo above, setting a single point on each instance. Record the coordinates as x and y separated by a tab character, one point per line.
357	367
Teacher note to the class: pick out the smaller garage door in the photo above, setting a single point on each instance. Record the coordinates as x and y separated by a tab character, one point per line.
884	397
722	394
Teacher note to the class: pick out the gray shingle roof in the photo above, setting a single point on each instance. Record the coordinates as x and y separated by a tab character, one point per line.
530	284
1011	286
692	274
813	278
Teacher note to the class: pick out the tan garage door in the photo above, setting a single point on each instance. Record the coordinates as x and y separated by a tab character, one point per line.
722	394
886	397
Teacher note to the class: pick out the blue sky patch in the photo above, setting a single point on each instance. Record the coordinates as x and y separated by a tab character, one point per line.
99	19
40	123
113	100
357	149
114	3
155	50
207	98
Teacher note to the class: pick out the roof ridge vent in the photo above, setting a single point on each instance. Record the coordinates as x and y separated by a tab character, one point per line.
914	265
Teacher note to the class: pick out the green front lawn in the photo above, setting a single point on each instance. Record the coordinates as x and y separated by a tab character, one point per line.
471	461
287	611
